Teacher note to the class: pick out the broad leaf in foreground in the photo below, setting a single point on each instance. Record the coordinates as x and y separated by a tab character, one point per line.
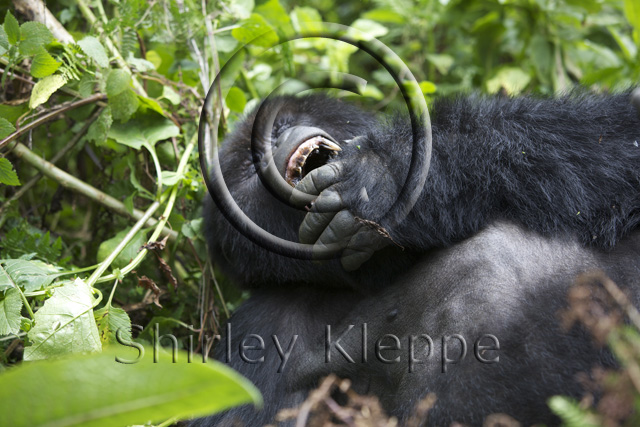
29	275
95	390
65	324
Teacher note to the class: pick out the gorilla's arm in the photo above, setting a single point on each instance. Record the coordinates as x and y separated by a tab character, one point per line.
554	165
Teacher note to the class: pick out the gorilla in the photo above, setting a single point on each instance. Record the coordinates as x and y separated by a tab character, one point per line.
458	295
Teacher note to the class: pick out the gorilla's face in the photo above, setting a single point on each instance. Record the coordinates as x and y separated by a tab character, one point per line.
299	134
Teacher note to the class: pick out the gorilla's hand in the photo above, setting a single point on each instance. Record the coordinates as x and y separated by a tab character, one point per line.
352	193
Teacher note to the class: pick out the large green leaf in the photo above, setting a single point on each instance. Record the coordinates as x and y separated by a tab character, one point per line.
65	324
95	390
143	129
10	307
30	275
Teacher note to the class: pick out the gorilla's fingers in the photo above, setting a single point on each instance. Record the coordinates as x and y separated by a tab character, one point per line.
337	234
324	209
361	247
316	181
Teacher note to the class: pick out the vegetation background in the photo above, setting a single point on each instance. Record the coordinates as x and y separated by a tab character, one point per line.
98	158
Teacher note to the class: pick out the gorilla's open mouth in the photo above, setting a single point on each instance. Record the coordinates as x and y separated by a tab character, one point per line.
309	155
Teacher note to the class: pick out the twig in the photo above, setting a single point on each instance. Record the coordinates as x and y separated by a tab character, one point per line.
51	115
64	150
130	235
35	10
75	184
160	226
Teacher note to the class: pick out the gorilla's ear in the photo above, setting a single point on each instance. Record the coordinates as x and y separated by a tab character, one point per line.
635	99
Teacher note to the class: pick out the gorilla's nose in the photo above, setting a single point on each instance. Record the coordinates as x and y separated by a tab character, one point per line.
300	149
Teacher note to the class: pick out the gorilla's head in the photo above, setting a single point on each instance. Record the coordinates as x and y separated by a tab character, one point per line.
301	134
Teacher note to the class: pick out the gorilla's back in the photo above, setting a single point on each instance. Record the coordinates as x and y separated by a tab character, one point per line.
497	294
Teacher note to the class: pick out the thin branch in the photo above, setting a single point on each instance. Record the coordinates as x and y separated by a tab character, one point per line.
64	150
160	227
35	10
75	184
49	116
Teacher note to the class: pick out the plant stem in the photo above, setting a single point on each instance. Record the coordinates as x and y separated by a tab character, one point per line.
75	184
102	267
25	303
165	215
49	116
72	142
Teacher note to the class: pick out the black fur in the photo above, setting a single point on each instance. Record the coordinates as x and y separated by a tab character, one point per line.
522	195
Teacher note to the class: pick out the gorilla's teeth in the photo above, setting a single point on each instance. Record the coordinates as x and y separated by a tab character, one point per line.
312	147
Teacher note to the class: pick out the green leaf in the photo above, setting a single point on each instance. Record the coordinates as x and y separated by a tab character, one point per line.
110	320
34	35
10	308
384	15
306	19
151	104
369	27
92	47
64	324
241	9
571	413
26	240
144	129
86	84
128	253
45	88
140	64
427	87
512	80
6	129
12	28
29	275
7	175
274	13
99	129
170	95
442	62
192	229
632	12
4	41
124	105
255	30
99	392
43	64
171	178
5	280
13	112
117	82
236	100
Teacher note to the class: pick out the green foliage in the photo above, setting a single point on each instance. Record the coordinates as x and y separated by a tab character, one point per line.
107	393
